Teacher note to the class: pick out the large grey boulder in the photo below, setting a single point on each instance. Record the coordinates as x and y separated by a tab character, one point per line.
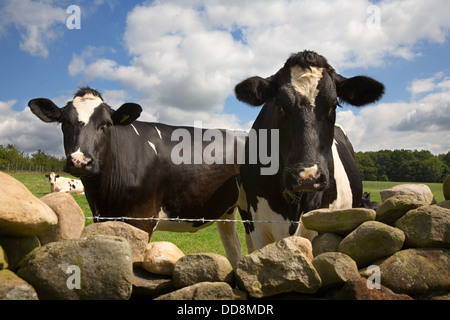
417	271
371	241
93	268
420	192
396	207
426	227
276	269
335	268
336	221
202	267
14	288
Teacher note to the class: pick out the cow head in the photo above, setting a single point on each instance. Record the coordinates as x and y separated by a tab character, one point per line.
300	101
86	123
52	178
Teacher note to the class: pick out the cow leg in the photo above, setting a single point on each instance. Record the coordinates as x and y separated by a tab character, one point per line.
230	238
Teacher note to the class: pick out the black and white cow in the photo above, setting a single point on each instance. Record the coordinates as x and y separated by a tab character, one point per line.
316	161
127	168
62	184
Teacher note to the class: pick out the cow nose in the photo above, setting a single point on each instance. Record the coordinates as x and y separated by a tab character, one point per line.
78	159
309	173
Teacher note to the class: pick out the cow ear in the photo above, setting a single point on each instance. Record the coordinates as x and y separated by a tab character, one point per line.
45	110
126	114
255	91
358	91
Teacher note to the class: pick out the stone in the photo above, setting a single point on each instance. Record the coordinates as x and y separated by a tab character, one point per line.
417	271
357	289
371	241
421	192
326	242
298	244
21	213
71	219
17	248
396	207
444	204
160	257
202	267
93	268
276	269
137	238
14	288
201	291
150	285
336	221
446	188
335	268
427	226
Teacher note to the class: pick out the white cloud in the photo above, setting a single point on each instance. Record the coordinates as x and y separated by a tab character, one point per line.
422	123
186	56
39	23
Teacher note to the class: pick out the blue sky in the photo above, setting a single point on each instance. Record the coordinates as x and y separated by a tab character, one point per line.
180	59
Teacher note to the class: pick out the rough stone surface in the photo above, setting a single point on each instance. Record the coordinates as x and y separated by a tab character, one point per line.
103	262
3	259
426	227
150	285
396	207
372	240
17	248
137	238
417	271
326	242
71	219
201	291
335	268
202	267
421	192
14	288
21	213
160	257
357	289
275	269
298	244
337	221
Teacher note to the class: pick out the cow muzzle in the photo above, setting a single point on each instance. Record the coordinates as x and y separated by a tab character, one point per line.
309	179
78	164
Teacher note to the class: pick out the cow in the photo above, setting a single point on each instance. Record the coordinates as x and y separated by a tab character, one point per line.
62	184
127	168
317	168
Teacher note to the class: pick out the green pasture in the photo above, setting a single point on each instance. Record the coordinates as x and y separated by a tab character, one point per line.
205	240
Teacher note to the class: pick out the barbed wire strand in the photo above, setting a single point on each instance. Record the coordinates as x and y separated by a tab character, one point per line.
177	219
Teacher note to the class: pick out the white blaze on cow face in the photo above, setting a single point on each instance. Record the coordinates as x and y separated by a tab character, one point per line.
85	106
305	82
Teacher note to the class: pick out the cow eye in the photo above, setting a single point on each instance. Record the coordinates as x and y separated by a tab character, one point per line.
105	126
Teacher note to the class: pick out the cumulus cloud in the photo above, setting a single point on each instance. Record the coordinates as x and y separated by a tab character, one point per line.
39	23
186	56
422	123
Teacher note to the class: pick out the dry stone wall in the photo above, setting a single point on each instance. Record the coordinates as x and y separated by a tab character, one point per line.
401	250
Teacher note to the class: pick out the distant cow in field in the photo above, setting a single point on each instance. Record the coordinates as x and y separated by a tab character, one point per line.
317	168
128	170
61	184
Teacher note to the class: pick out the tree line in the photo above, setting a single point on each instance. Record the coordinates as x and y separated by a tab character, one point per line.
384	165
12	159
403	166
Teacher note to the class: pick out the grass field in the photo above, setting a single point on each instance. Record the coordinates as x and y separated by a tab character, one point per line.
205	240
